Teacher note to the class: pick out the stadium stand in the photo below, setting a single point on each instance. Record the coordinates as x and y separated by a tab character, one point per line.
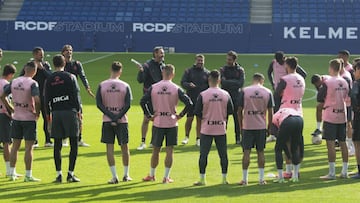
184	11
321	11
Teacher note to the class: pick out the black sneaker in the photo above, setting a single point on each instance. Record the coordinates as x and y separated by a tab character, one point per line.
126	179
316	132
58	179
72	179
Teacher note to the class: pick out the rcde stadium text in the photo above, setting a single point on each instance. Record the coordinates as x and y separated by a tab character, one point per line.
318	33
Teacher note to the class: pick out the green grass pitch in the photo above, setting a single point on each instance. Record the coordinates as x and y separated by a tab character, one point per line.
92	165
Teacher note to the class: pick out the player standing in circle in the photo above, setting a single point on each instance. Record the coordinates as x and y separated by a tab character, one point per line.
5	117
318	80
255	102
62	95
276	71
42	73
194	80
232	80
355	103
149	74
213	107
289	94
163	97
113	98
288	125
26	100
331	98
75	67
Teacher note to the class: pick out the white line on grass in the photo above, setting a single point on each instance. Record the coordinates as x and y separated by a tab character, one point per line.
97	58
313	97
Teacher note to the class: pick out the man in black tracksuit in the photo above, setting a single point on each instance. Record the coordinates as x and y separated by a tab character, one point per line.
62	95
149	74
43	72
75	67
194	81
232	79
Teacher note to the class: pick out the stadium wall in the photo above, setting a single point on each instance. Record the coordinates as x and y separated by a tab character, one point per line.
183	37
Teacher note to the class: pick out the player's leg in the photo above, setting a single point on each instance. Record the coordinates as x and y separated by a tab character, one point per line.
356	140
344	150
221	146
260	142
158	138
329	134
281	146
29	130
58	159
318	131
295	145
247	144
108	137
349	131
205	147
188	125
48	142
71	122
171	141
237	127
144	129
72	159
13	158
5	125
81	141
123	140
198	128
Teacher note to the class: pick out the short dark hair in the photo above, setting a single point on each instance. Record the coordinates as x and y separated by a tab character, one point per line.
279	57
9	69
292	62
344	52
357	66
30	66
258	77
116	66
59	60
315	78
37	49
214	75
357	59
233	54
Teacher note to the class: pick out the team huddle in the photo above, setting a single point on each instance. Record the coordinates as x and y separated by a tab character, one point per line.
260	115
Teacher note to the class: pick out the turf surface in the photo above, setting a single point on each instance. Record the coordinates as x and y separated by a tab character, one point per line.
92	165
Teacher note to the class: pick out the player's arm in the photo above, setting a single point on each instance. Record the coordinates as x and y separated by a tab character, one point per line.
321	100
84	80
47	69
230	106
35	93
198	107
76	93
355	94
47	100
145	104
240	110
270	75
101	106
278	93
186	100
185	80
140	76
234	84
270	112
5	100
301	71
125	109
